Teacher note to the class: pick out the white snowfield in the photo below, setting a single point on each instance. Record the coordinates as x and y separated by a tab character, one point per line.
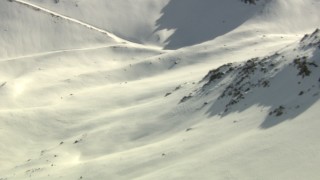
159	89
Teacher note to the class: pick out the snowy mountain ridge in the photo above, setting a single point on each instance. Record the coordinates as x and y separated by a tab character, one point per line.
159	89
297	65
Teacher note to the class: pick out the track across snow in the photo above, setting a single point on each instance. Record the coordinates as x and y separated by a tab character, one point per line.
38	8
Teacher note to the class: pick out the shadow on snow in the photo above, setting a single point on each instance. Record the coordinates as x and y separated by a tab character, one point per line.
198	21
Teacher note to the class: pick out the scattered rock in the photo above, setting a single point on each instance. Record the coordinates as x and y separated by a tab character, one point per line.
303	66
3	84
278	111
265	83
185	98
178	87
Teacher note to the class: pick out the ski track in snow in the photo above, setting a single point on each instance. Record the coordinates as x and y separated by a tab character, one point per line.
58	52
55	52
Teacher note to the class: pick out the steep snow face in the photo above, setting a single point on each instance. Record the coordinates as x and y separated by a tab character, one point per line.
131	20
28	31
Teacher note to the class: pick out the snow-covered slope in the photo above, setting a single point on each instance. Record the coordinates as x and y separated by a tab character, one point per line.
164	23
131	20
173	24
260	81
78	103
28	31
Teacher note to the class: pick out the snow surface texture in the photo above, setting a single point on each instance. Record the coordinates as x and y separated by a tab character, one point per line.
89	91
